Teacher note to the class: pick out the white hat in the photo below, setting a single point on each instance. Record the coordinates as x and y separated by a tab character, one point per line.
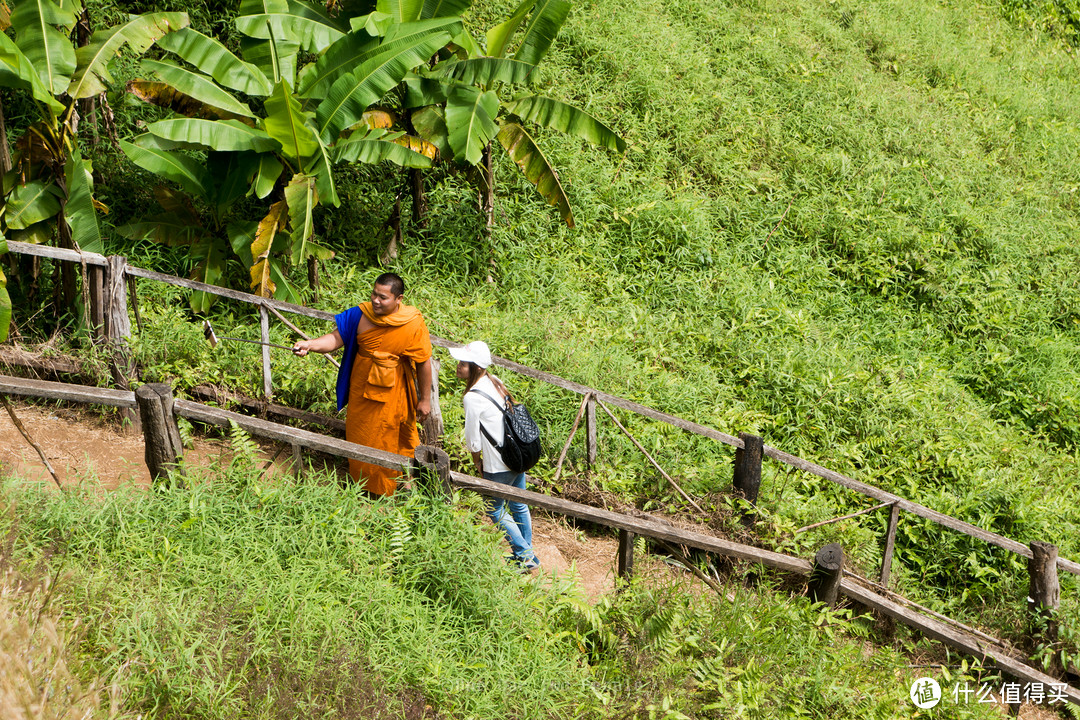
476	352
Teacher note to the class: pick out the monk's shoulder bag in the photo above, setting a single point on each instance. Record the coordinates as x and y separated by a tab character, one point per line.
520	449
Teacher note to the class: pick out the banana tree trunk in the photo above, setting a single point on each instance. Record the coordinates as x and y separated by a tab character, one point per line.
5	151
313	278
487	192
419	199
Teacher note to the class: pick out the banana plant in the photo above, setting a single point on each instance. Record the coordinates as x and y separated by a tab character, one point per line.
472	98
5	299
49	191
276	119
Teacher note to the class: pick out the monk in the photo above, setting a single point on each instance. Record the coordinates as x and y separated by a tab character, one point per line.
386	361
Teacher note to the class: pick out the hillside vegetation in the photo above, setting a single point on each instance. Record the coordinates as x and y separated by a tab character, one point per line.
850	228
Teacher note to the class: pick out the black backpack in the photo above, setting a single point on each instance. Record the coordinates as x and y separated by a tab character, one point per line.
521	437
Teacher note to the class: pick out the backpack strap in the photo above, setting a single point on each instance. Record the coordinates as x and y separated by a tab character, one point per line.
484	429
502	408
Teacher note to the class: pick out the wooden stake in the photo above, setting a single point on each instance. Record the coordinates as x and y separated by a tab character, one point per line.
573	431
431	429
164	448
625	562
890	544
590	434
26	435
264	329
1044	591
843	517
826	576
650	457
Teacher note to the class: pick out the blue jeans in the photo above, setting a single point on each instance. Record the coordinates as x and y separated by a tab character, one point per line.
517	524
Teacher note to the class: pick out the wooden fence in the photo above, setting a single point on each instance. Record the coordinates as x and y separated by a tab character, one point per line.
159	411
108	277
107	291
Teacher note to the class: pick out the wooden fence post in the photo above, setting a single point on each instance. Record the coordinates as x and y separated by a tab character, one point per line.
298	459
95	318
825	578
264	329
626	554
117	330
747	476
164	448
1044	592
890	544
590	433
434	462
431	429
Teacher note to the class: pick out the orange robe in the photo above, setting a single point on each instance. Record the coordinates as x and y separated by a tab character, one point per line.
382	391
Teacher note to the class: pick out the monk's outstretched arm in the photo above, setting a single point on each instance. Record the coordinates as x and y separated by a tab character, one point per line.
327	343
423	384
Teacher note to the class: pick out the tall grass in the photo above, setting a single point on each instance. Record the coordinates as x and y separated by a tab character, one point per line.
845	226
240	599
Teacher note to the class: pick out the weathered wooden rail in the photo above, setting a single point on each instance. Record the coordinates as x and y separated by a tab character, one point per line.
748	464
434	462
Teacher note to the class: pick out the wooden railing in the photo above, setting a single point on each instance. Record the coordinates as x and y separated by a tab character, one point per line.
108	289
165	458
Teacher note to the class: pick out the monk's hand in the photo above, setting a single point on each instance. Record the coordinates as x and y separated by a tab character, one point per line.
423	409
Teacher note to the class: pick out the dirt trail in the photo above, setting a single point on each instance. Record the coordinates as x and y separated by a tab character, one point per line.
84	447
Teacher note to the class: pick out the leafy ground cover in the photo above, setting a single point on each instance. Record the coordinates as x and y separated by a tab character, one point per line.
241	598
847	227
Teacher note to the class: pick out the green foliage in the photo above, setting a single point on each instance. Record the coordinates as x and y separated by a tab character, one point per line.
303	117
51	184
243	599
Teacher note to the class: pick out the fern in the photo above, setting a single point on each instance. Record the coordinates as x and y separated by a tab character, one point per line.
245	450
187	436
400	536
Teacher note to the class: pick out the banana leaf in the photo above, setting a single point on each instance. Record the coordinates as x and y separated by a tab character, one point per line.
180	168
352	93
340	58
544	23
17	71
499	36
470	120
376	146
321	167
214	134
302	198
292	21
537	170
402	11
198	87
31	203
232	173
265	233
430	124
214	59
138	33
266	175
421	91
49	50
484	71
566	118
286	123
444	8
79	209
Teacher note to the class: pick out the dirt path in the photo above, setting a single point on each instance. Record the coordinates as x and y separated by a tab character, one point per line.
84	447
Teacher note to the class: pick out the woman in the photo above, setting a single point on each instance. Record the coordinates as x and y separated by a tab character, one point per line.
485	395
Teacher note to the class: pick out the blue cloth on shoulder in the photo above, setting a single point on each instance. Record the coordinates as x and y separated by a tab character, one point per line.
346	327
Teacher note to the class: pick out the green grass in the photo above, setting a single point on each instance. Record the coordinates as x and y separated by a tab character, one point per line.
848	227
238	598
